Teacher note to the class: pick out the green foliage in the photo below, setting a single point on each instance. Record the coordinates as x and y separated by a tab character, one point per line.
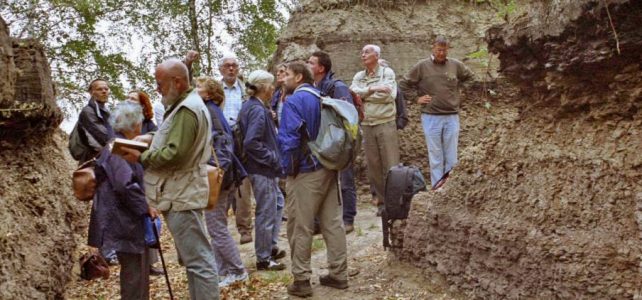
87	39
504	8
317	245
480	55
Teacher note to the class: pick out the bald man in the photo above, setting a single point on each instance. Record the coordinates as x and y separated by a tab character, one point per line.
176	176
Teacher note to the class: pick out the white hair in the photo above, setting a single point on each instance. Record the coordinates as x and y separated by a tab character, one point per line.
374	48
126	116
227	57
258	80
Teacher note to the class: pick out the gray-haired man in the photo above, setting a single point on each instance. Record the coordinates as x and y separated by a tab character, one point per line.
234	90
377	87
176	175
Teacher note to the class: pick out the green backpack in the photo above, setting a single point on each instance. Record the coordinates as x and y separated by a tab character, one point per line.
339	138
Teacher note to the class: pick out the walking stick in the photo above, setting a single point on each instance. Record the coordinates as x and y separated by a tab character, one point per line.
160	251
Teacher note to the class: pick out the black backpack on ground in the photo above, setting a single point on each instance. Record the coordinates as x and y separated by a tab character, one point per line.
402	183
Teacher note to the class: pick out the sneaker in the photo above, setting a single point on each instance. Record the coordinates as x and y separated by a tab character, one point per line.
330	281
246	238
230	279
155	271
269	265
277	253
349	228
112	261
300	288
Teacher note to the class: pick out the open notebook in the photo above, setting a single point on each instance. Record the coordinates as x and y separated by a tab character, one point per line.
118	144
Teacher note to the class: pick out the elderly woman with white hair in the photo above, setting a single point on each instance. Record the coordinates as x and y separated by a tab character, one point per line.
120	207
261	161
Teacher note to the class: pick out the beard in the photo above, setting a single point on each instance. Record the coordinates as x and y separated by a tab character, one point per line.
171	97
289	89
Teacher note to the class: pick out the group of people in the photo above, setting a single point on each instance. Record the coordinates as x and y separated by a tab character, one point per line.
256	131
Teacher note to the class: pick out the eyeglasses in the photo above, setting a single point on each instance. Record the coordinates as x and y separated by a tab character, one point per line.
233	66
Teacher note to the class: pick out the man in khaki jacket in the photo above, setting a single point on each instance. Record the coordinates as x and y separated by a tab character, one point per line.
176	175
377	87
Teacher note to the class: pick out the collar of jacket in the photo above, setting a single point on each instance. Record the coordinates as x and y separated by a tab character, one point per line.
99	108
264	103
326	83
180	99
240	84
432	58
304	85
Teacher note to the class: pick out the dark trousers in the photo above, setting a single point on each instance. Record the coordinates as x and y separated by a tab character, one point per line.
134	275
348	195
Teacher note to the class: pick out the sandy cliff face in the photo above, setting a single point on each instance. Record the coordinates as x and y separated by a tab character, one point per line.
38	214
546	200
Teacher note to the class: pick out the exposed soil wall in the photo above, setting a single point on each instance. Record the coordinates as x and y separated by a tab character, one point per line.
546	201
404	30
38	213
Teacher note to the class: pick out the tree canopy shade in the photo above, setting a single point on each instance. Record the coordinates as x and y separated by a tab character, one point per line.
121	40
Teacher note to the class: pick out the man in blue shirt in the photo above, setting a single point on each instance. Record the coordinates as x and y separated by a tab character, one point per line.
311	189
321	67
234	90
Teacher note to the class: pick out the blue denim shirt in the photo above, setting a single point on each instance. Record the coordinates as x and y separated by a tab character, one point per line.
299	124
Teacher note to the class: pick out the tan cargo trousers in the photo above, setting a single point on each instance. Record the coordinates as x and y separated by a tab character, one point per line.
244	207
381	145
309	195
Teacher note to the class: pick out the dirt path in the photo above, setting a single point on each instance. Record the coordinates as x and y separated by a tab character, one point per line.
380	275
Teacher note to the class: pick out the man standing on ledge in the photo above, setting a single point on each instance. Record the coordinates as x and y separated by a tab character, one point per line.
434	82
176	175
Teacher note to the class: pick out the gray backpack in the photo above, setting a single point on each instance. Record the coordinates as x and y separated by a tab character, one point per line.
339	138
77	145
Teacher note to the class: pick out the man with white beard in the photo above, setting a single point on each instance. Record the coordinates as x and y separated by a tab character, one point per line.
176	175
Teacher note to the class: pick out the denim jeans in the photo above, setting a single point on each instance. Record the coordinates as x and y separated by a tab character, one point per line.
194	252
265	195
348	195
226	252
442	135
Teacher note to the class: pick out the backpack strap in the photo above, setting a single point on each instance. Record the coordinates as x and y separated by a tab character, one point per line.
311	91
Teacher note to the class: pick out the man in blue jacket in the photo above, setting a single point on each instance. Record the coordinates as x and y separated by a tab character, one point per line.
321	67
311	189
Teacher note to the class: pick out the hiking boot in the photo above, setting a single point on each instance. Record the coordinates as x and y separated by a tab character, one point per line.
349	228
330	281
269	265
277	253
156	271
300	288
230	279
246	238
